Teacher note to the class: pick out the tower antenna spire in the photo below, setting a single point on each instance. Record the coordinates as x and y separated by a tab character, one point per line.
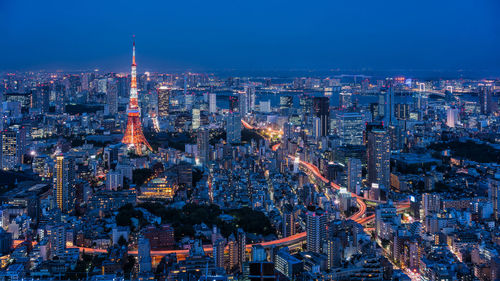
133	49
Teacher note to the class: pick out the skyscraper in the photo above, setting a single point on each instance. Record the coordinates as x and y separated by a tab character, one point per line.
112	96
451	117
242	245
144	255
233	128
64	183
288	221
321	109
485	100
163	101
389	105
378	157
212	103
203	145
134	136
9	149
316	230
354	175
350	128
195	123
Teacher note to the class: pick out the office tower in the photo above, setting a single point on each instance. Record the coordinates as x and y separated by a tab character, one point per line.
203	145
163	101
345	100
234	104
350	128
485	100
134	136
431	203
42	100
218	252
233	128
196	119
402	111
316	230
258	253
64	182
354	175
286	102
212	103
144	255
243	103
451	117
288	221
112	97
316	128
389	105
494	197
242	245
306	104
9	149
378	157
334	252
321	109
250	95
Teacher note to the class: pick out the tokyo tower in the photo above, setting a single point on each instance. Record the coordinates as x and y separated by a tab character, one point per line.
134	137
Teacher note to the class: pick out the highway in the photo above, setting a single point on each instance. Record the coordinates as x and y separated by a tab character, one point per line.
290	241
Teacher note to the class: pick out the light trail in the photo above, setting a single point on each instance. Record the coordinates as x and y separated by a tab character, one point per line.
287	241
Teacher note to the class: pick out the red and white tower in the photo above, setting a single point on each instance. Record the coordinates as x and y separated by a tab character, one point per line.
134	137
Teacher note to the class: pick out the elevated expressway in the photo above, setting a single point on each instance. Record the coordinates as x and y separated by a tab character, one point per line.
291	241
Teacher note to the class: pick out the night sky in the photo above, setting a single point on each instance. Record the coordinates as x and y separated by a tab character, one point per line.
251	35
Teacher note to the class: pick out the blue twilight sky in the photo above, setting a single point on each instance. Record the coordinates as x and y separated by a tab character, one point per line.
251	35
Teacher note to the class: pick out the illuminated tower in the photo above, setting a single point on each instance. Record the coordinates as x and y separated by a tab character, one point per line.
133	136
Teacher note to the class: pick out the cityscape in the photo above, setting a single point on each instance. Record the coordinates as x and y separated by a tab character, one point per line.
257	175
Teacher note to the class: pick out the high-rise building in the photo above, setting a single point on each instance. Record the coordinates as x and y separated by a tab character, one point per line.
451	117
389	105
212	103
9	149
250	95
203	145
242	245
354	175
234	104
134	137
196	119
233	128
485	100
494	197
288	221
350	128
321	109
378	157
144	255
64	181
218	252
316	222
334	252
286	102
163	101
112	97
431	203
